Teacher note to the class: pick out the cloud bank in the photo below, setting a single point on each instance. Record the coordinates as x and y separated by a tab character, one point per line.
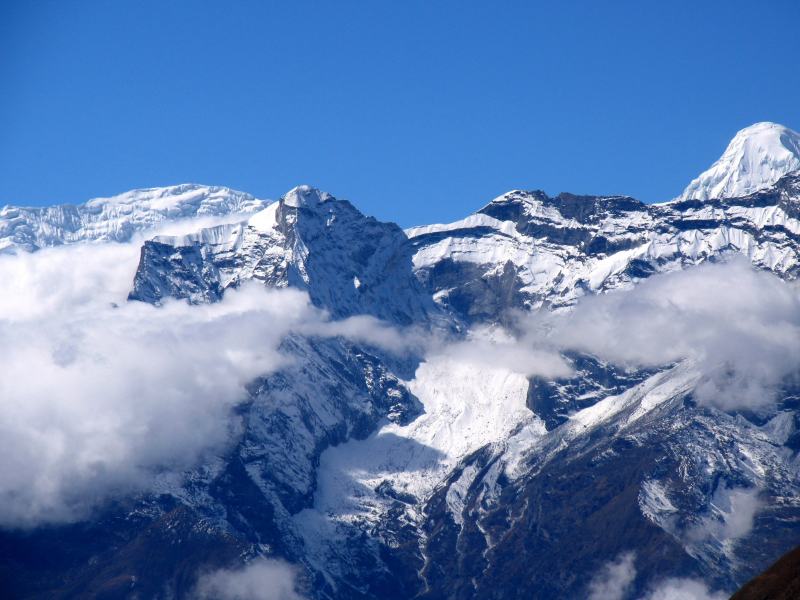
98	395
683	589
732	518
740	326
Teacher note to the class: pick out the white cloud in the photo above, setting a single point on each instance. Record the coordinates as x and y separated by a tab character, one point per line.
614	580
260	580
93	399
684	589
97	395
741	327
516	357
733	511
485	347
370	331
55	281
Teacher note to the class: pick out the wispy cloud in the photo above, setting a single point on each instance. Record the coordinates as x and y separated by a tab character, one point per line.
614	580
733	513
683	589
740	326
261	579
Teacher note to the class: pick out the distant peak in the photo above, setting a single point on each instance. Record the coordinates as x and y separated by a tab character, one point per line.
757	128
756	158
304	195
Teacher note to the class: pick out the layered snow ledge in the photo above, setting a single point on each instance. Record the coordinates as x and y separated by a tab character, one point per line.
474	221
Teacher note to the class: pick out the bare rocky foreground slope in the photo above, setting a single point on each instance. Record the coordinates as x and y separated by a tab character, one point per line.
780	582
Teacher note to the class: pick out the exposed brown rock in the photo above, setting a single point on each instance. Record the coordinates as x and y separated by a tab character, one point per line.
780	582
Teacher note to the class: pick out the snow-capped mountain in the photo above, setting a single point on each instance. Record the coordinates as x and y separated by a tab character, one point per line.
756	158
349	264
484	432
383	475
523	250
118	218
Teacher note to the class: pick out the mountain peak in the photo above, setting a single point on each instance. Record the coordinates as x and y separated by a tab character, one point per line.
304	195
756	158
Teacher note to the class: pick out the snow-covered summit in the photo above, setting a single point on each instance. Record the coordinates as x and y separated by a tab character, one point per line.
117	218
756	158
304	195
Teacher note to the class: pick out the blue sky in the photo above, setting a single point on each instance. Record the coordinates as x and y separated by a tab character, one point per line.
417	112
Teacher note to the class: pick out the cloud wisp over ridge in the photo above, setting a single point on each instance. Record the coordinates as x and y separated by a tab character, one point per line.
614	581
741	328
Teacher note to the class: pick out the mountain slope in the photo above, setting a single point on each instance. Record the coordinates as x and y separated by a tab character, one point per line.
348	263
757	157
780	582
527	250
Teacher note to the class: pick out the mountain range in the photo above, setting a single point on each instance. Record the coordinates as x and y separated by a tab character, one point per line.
425	471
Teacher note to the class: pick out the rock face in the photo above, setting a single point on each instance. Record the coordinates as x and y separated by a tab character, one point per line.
348	263
389	477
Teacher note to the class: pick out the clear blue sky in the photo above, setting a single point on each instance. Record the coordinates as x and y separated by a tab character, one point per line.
417	112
